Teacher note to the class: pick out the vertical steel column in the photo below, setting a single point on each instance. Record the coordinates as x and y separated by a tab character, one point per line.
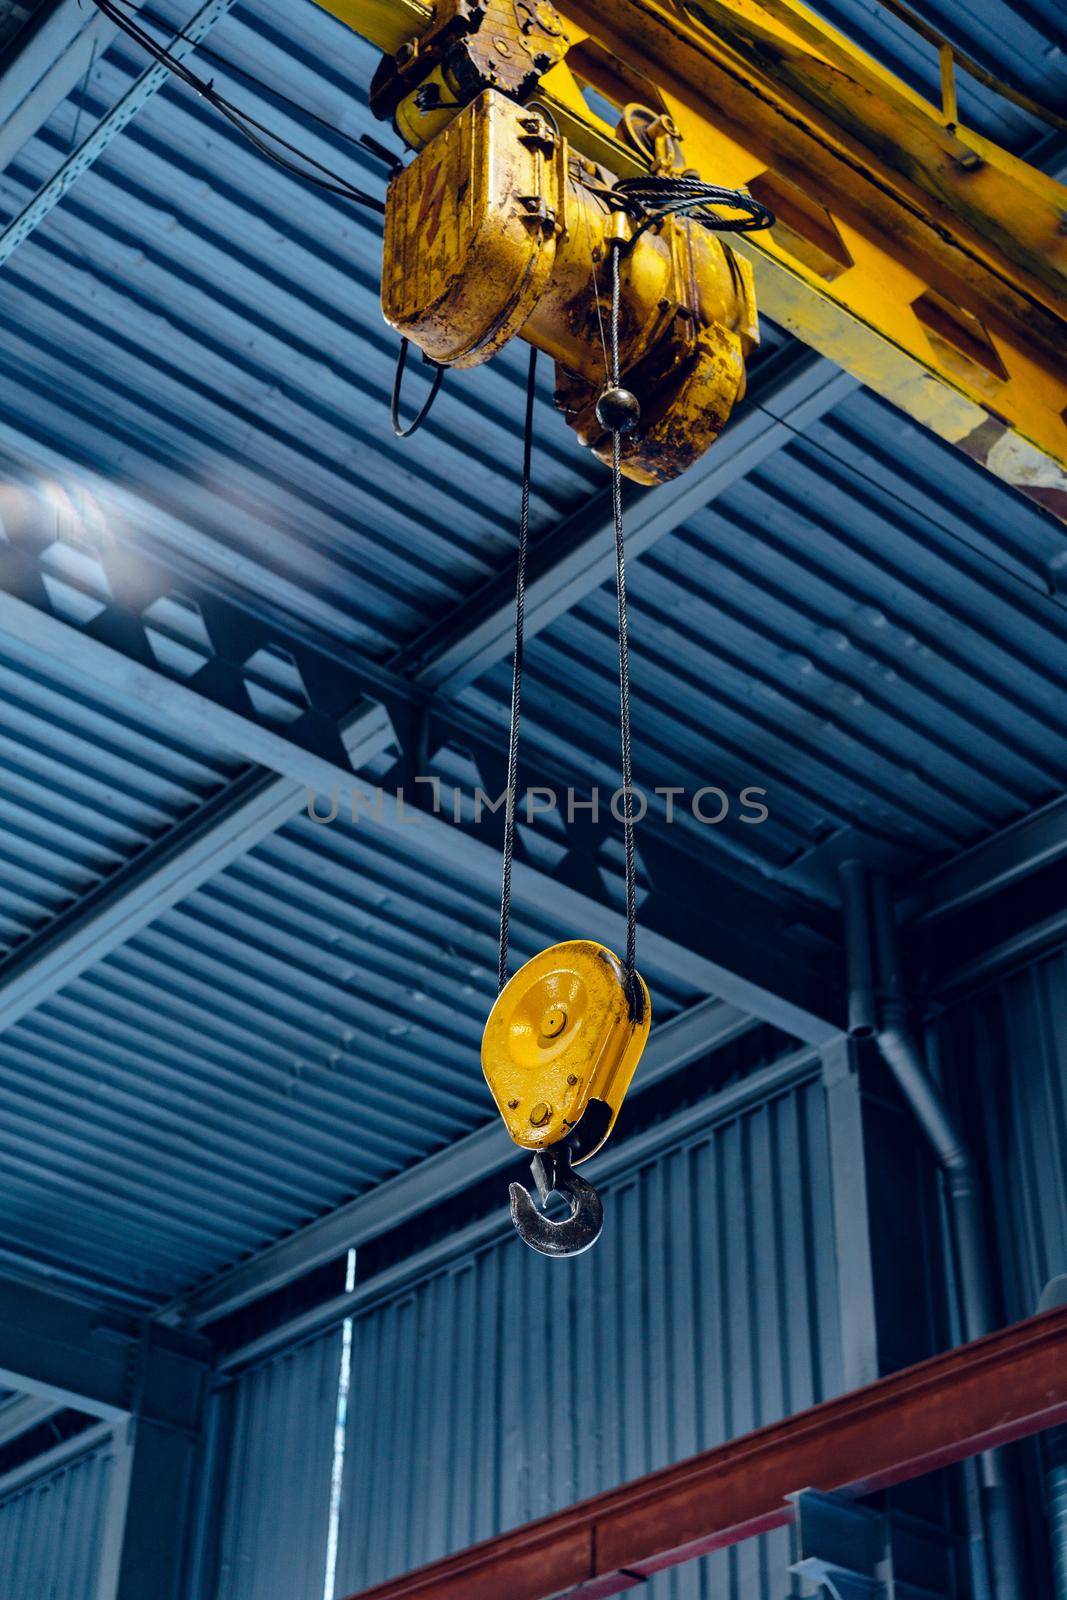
146	1541
1055	1448
852	1214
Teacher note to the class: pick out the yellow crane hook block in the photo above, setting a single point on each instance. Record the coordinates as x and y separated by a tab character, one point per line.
561	1046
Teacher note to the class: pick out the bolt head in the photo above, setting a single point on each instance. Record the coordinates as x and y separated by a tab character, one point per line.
540	1114
618	410
553	1022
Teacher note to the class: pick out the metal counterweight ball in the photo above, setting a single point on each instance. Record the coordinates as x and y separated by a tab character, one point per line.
618	410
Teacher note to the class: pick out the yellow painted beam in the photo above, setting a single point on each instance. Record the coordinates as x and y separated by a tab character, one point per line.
386	23
915	253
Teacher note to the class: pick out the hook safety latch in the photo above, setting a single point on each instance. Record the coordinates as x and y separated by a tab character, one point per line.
553	1174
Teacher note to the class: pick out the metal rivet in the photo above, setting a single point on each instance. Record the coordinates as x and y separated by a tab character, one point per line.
540	1114
513	1105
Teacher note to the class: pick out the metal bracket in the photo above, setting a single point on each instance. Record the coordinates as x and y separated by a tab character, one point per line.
851	1552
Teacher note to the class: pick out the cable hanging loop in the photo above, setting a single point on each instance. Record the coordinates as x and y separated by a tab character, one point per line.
650	198
402	430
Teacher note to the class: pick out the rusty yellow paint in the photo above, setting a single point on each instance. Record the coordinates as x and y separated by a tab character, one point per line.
389	24
767	90
904	142
950	111
471	231
902	240
494	231
559	1036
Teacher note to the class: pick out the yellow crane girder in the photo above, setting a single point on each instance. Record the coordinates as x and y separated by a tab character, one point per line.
916	254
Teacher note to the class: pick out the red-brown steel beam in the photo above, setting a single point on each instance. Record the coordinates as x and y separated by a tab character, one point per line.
984	1394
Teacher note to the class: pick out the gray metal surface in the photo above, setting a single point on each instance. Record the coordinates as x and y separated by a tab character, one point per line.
296	1004
240	361
86	786
107	129
14	15
862	626
506	1385
51	1531
277	1432
1023	44
176	863
787	396
694	1033
20	1412
191	344
1036	841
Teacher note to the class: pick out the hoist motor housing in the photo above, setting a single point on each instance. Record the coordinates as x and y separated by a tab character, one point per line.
497	228
561	1045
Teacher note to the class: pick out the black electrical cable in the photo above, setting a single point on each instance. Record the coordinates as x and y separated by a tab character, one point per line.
649	198
271	91
516	673
266	140
624	658
401	430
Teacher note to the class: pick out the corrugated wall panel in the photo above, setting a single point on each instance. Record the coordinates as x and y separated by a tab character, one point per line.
51	1532
276	1485
1006	1052
709	1307
1004	1056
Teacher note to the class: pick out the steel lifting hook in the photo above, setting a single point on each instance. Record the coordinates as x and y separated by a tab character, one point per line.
554	1174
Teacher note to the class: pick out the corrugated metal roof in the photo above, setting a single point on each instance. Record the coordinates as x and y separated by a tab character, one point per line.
85	787
196	327
1022	44
863	627
301	1028
195	323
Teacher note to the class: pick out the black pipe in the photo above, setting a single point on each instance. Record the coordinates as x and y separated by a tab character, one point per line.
859	958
